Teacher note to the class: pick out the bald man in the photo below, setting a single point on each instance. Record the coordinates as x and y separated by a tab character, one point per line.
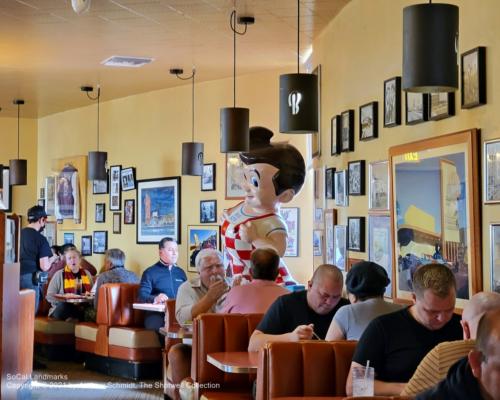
302	315
435	365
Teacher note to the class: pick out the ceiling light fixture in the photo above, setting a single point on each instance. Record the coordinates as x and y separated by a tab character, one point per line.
298	97
18	168
97	162
192	152
430	48
234	121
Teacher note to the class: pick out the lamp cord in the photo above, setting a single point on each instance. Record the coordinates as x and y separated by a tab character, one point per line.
298	36
232	23
18	131
192	98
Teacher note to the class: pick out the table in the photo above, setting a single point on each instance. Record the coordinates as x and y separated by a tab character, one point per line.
177	333
149	307
74	298
236	362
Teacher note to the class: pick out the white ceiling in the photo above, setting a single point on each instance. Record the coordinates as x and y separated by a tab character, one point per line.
47	51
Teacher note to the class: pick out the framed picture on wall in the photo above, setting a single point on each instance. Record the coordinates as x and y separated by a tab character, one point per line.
378	173
347	131
416	108
380	245
473	78
341	198
208	211
50	232
340	246
291	217
356	172
100	242
335	135
368	121
86	245
234	177
330	222
50	193
491	182
100	187
495	257
329	183
392	102
5	191
208	177
441	105
69	238
129	212
100	212
201	237
117	222
318	242
115	194
128	179
158	209
356	233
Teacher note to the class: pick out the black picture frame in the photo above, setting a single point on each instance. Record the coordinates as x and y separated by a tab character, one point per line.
473	77
6	192
335	135
347	131
128	179
100	187
208	211
356	173
117	222
416	108
441	105
368	121
129	212
392	102
100	213
330	183
356	234
115	193
207	181
86	245
100	242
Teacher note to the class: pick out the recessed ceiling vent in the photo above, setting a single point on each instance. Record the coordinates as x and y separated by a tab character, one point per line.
126	62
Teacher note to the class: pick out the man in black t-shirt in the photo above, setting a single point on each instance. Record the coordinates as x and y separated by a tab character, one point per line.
396	343
35	252
302	315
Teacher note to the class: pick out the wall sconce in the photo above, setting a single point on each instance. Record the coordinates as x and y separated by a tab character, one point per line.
97	159
18	168
234	121
298	97
430	48
192	152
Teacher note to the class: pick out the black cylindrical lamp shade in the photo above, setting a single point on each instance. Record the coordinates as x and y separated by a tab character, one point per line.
97	166
430	48
192	158
18	174
298	103
234	129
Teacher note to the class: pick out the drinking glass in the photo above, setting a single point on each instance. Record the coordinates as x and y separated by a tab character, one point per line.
362	381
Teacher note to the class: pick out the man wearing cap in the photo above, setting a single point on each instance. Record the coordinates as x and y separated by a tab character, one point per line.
365	283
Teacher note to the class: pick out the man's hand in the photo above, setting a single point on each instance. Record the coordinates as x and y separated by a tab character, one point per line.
160	299
216	290
302	332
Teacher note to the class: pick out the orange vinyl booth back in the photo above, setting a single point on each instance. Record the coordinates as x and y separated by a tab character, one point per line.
214	333
308	368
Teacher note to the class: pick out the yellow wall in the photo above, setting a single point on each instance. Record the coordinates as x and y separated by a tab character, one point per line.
23	197
146	131
360	49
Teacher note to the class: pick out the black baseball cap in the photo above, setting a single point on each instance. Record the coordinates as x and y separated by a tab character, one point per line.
35	213
367	279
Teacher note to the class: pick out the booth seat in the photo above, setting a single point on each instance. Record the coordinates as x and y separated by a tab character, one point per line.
307	369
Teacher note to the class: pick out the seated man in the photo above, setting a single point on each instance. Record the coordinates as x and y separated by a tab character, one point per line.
161	282
72	279
478	375
434	367
300	315
365	283
396	343
262	291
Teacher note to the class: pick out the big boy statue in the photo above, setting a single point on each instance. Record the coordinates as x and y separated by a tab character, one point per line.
272	174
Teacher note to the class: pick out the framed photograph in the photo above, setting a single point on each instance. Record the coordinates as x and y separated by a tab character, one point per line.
441	224
491	183
115	194
473	68
291	217
318	242
329	183
50	232
100	212
100	187
129	212
234	177
158	209
208	211
208	177
41	203
392	102
416	108
335	135
380	245
318	215
356	233
378	173
5	191
201	237
100	242
340	246
117	222
128	179
42	193
341	198
441	105
50	195
368	121
317	183
330	222
69	238
86	247
356	172
495	257
347	131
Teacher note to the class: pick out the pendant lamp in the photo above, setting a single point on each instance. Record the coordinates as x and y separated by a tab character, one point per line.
430	48
234	121
298	97
192	152
97	160
18	168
